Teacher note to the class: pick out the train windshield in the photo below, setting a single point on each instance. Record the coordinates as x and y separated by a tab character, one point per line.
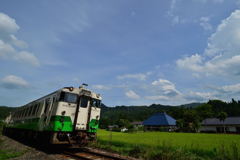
68	97
95	103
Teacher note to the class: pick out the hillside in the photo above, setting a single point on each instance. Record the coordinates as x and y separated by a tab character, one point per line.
119	112
4	111
111	115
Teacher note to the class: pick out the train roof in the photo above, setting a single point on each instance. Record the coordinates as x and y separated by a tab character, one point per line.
79	90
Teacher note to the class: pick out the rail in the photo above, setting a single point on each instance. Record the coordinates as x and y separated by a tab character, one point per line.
93	154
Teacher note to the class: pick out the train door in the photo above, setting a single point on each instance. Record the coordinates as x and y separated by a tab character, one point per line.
82	113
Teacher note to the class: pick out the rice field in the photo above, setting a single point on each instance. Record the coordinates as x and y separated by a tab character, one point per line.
206	146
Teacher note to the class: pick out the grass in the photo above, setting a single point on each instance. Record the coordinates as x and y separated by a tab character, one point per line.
164	145
7	154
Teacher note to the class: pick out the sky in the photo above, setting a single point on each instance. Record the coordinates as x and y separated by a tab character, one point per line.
132	52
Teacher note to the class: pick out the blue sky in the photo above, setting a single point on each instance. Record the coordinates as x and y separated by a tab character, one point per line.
134	52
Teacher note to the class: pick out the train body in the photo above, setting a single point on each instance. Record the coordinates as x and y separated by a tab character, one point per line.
66	116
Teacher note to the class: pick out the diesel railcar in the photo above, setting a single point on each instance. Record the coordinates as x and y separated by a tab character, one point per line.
66	116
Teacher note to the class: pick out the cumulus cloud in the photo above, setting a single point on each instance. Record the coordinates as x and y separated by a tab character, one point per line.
10	45
13	82
7	25
166	87
132	95
222	55
138	76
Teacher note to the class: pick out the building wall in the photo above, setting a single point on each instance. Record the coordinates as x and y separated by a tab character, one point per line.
208	129
160	128
218	129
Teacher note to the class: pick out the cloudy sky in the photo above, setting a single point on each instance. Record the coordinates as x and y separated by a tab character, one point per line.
133	52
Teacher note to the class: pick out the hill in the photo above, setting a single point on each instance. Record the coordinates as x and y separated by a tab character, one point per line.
131	112
4	111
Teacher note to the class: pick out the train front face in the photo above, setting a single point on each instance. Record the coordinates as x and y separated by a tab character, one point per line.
84	117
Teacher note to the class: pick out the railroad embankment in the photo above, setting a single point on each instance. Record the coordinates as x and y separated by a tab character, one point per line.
14	150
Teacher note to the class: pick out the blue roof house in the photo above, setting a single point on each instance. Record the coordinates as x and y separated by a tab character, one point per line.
161	122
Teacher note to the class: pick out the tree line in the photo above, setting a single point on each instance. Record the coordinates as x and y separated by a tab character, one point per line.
189	117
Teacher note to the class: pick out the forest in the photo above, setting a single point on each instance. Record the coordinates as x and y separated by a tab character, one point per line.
188	116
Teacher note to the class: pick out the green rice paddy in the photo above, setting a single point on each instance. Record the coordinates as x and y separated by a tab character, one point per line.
206	146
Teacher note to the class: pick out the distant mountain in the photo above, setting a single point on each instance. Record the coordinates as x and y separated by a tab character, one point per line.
191	105
111	115
136	112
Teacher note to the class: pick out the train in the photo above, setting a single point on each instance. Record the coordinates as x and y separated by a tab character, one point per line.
67	116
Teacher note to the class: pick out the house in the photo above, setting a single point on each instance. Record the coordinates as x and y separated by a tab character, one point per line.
137	124
160	122
231	125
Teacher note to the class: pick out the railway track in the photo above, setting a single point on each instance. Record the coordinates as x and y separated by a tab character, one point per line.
93	154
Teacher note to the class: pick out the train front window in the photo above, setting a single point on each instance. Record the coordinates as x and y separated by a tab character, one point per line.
95	103
68	97
84	101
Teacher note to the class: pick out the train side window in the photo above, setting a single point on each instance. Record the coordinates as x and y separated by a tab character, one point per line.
84	101
19	114
30	110
38	106
25	112
34	109
47	104
22	114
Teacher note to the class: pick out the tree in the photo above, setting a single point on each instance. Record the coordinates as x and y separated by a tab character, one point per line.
196	125
191	120
180	124
204	111
222	116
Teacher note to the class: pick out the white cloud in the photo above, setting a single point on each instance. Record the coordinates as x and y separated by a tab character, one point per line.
14	82
204	22
199	96
166	87
132	95
7	25
225	92
235	88
27	57
100	87
17	42
138	76
222	55
10	44
5	49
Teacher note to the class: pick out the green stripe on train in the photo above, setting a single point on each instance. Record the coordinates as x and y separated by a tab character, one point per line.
93	125
57	123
